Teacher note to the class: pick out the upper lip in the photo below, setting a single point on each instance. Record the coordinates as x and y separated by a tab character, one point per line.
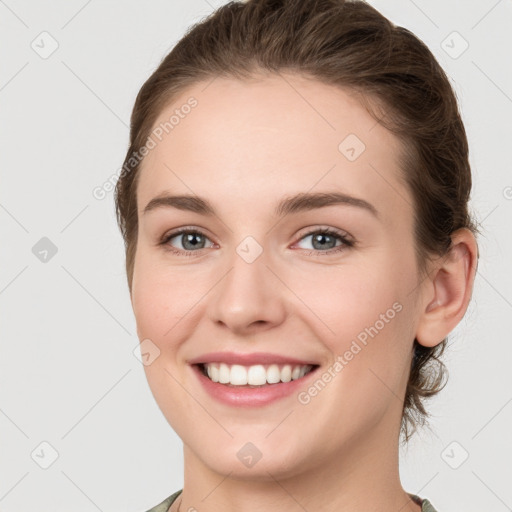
248	359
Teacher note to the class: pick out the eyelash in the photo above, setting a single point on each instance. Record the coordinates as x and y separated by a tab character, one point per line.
346	243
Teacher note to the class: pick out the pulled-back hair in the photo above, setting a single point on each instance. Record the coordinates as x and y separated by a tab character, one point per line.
351	45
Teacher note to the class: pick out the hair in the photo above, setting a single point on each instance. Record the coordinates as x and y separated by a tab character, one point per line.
351	45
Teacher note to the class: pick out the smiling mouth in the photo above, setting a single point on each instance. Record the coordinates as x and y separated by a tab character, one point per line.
254	376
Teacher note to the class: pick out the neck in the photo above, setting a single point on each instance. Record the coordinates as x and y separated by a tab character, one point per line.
362	476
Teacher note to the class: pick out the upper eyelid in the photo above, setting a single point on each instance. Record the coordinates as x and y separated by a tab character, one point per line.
182	231
320	229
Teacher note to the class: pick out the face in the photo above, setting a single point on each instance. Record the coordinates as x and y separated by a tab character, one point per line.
330	281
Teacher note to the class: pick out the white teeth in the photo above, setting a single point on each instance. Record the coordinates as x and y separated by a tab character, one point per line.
286	373
238	375
256	375
273	374
213	372
224	373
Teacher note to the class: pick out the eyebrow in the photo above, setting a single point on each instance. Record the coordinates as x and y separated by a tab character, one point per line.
297	203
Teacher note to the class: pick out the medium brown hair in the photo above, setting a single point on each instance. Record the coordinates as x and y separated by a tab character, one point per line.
351	45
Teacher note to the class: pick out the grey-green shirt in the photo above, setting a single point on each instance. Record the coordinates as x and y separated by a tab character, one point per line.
426	506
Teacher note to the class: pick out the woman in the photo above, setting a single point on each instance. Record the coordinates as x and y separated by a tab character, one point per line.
294	205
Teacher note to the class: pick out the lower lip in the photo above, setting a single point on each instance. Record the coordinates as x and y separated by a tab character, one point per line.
241	396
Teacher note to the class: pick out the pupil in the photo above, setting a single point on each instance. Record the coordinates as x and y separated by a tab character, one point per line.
189	239
320	238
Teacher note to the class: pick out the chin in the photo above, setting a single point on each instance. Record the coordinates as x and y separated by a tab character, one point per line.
252	461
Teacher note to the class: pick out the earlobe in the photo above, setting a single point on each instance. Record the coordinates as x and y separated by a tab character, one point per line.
448	290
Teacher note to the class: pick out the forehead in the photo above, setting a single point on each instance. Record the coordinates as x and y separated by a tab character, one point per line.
255	140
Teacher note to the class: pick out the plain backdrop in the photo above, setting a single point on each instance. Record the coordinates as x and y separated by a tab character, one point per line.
79	428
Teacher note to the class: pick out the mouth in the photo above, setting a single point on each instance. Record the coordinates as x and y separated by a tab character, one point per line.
254	376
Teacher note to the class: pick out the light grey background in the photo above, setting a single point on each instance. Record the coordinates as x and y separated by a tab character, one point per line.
68	375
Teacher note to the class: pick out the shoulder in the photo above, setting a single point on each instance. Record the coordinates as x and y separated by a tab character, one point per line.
426	506
164	505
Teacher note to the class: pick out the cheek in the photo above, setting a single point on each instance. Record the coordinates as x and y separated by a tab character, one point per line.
150	307
346	302
365	320
161	297
162	307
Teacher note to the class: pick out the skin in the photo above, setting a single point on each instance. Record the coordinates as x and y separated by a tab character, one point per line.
245	146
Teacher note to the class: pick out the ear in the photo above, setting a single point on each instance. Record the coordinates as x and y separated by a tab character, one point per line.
448	289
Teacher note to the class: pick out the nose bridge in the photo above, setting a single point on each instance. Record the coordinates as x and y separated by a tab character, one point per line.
248	293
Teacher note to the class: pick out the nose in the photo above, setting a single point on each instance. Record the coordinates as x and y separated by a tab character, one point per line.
249	298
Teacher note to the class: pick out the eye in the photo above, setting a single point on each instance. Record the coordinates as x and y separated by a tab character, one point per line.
324	240
191	240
